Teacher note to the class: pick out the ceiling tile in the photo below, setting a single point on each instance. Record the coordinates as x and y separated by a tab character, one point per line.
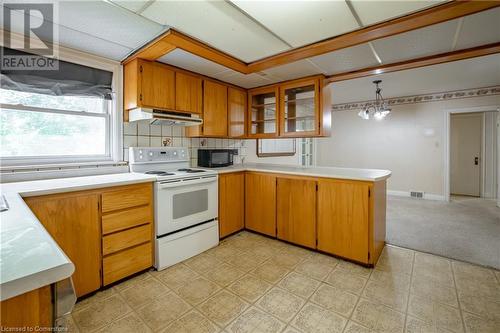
220	25
245	81
301	22
479	29
109	22
346	60
131	5
186	60
465	74
75	39
90	44
371	12
292	70
418	43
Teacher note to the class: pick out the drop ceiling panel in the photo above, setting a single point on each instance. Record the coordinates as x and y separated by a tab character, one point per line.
220	25
479	29
346	60
301	22
109	22
292	70
371	12
75	39
90	44
186	60
465	74
245	81
418	43
131	5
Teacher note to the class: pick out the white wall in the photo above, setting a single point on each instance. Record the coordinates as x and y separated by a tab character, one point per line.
409	143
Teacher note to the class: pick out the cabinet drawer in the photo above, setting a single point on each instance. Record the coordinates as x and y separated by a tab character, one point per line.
127	262
126	219
128	238
127	197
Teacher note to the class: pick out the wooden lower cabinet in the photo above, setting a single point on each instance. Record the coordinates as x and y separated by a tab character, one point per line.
231	203
72	219
260	203
30	310
127	262
127	231
106	233
296	211
343	219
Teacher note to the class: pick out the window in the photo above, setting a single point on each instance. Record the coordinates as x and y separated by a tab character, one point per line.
62	116
44	128
306	152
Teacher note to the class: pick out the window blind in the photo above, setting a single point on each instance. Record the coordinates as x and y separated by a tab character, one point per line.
69	79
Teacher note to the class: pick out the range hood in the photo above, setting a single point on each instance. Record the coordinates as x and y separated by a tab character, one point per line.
161	117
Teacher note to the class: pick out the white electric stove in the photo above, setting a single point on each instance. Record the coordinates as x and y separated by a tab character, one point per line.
185	203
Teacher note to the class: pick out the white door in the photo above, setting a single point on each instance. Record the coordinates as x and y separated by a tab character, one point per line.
465	154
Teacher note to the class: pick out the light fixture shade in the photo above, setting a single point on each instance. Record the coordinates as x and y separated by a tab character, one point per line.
364	114
378	110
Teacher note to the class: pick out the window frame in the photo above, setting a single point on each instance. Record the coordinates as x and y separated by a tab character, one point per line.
114	135
46	159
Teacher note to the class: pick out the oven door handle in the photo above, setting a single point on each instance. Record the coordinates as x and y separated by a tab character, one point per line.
187	182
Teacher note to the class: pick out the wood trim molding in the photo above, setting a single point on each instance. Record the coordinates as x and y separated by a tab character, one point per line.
438	14
173	39
203	50
420	62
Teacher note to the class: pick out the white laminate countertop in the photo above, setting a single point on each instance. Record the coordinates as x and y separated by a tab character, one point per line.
324	172
29	257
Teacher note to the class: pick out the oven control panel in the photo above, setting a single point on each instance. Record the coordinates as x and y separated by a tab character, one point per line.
158	154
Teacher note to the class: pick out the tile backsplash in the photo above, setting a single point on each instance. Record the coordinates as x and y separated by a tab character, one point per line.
142	134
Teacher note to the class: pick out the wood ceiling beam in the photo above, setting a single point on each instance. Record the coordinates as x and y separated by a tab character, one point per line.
153	50
416	63
173	39
203	50
438	14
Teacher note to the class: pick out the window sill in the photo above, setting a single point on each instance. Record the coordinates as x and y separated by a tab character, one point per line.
59	166
9	174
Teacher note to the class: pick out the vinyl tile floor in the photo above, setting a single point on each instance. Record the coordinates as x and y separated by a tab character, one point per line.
251	283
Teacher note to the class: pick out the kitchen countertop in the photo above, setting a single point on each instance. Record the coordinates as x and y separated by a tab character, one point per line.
29	257
324	172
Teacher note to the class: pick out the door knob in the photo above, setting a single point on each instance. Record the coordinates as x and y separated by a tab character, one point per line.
476	160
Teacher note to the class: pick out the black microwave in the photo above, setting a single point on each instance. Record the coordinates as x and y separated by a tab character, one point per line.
215	158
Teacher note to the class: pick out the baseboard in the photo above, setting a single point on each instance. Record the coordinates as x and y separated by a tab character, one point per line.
427	196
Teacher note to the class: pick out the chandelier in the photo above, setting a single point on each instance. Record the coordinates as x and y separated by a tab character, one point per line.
378	110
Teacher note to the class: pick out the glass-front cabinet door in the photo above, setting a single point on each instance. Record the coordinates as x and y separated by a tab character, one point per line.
300	105
263	112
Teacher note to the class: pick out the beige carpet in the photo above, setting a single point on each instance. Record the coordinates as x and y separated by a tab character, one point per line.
465	229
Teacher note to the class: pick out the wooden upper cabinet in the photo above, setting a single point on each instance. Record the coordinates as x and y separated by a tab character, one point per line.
343	219
260	203
73	221
263	110
300	108
214	109
231	203
296	211
236	113
149	84
188	93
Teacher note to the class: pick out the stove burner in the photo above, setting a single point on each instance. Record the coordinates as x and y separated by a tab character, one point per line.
191	170
159	173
